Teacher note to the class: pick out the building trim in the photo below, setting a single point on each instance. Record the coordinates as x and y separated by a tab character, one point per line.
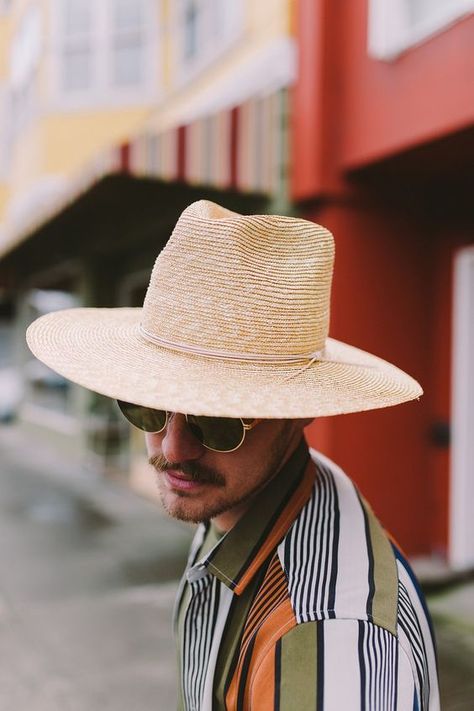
390	31
461	534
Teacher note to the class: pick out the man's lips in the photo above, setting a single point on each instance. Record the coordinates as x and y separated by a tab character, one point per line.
178	480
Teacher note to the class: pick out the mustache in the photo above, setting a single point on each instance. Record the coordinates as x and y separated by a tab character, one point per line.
194	471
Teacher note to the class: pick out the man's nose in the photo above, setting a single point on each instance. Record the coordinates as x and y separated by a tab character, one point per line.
179	444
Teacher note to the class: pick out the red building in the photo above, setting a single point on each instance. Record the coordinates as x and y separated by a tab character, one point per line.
383	155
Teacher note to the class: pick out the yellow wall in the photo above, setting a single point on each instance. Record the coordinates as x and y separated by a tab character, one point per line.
74	139
268	17
4	197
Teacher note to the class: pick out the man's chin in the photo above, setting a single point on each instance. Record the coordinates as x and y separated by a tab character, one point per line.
182	510
190	509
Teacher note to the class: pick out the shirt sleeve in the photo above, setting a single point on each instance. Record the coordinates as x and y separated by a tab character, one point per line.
331	665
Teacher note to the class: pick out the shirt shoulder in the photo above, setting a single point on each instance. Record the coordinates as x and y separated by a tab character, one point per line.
338	664
338	560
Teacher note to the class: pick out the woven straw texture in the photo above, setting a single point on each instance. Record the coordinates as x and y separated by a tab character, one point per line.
251	288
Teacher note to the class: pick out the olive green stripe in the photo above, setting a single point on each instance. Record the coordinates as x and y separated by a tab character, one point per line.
385	600
298	668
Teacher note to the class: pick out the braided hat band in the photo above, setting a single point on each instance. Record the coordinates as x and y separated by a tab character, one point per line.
235	323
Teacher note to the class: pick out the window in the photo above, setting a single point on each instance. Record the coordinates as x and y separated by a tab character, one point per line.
128	42
5	6
78	40
25	55
396	25
192	16
106	50
205	29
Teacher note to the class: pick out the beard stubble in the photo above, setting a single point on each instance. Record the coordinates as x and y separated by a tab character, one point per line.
185	510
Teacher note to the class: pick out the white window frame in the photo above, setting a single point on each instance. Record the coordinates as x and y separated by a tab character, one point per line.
5	143
26	51
211	45
390	31
103	92
5	7
461	521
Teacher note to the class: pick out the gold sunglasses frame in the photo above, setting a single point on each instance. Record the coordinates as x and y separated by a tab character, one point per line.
245	428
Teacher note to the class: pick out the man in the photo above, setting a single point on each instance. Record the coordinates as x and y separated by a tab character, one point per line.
294	598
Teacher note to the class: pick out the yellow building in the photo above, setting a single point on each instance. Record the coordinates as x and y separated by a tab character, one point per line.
114	116
76	75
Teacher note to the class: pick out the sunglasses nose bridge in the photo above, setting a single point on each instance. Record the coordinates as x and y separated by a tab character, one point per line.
179	443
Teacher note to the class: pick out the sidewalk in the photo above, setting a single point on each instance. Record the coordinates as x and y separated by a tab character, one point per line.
88	581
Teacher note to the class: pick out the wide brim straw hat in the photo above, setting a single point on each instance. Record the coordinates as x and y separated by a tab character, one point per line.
234	323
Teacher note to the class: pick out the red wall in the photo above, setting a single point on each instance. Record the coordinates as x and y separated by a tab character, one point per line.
392	296
383	302
426	93
364	131
351	110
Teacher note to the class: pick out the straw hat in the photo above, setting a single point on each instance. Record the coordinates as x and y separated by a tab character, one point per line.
234	323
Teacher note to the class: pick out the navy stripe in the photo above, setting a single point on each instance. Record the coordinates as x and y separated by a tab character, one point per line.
320	666
335	555
276	702
363	677
370	556
311	550
399	556
328	517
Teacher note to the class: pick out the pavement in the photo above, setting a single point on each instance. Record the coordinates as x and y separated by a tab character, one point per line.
89	574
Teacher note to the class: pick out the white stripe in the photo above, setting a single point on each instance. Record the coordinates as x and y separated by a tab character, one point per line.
405	682
341	664
198	638
352	587
309	548
309	545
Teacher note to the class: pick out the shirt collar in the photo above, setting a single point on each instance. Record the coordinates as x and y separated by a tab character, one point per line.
241	552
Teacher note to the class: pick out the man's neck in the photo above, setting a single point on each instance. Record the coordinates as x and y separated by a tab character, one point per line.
227	520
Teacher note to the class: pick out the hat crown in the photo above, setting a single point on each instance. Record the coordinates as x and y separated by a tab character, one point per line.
253	284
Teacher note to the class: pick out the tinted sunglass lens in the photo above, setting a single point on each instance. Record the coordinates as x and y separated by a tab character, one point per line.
145	418
220	433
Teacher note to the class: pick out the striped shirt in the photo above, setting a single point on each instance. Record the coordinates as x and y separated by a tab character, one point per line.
305	604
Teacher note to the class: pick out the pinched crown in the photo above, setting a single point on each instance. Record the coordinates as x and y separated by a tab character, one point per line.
253	284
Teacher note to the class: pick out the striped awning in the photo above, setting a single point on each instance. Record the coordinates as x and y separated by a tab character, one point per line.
238	148
241	148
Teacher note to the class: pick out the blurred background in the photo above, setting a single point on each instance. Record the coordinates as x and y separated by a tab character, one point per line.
114	115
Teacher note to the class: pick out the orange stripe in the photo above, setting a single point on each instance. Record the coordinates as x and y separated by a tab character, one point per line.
273	591
261	694
259	689
289	513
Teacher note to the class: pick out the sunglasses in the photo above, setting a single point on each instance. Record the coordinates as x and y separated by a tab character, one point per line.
219	434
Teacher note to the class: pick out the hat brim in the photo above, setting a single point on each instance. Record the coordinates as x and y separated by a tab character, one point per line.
103	350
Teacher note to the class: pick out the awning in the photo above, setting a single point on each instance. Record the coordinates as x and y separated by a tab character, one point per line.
242	148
